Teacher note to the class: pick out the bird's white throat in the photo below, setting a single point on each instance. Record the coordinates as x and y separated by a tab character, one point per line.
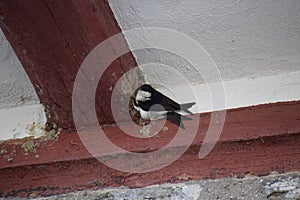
142	96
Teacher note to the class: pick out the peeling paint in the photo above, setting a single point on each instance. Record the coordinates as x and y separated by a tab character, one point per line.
3	151
35	129
52	134
29	146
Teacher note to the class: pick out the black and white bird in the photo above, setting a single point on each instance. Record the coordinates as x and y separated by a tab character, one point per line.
151	104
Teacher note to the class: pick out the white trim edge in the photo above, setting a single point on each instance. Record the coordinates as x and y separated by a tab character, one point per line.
22	121
242	92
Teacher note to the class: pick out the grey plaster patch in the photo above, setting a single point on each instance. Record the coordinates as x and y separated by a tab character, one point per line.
275	186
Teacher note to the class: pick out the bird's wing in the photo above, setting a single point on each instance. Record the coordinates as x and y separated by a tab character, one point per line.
171	105
165	101
177	118
167	104
186	106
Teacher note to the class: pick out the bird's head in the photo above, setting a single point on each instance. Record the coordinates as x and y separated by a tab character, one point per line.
144	93
146	88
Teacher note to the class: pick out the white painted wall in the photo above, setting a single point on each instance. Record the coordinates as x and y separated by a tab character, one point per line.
245	38
19	105
254	44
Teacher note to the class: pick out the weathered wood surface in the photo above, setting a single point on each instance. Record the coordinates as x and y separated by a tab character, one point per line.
51	39
255	140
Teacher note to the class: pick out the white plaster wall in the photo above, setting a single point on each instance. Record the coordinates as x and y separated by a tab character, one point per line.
245	38
254	44
15	86
19	105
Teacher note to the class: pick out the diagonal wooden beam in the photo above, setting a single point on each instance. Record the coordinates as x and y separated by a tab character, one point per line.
51	39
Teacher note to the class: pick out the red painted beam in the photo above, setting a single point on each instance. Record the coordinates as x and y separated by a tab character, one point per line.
51	39
254	140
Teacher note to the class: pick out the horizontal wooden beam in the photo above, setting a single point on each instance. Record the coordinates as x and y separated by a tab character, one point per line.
255	140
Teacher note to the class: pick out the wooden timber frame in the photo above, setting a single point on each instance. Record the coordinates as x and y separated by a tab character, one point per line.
51	38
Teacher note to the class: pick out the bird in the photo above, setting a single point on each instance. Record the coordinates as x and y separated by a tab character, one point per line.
151	104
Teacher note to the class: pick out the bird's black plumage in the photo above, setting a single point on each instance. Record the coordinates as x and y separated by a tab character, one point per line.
176	118
147	97
166	102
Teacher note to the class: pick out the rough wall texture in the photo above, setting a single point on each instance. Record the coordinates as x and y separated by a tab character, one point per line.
15	86
19	104
244	38
274	186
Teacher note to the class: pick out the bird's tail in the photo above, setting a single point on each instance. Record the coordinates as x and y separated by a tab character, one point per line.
177	118
186	106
